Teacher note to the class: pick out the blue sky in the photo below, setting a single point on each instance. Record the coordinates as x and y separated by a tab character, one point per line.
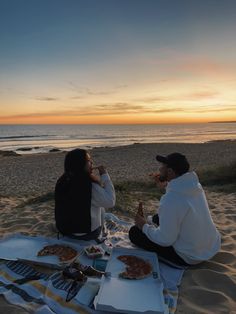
60	58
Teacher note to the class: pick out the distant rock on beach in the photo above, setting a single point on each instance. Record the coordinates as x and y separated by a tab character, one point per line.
6	153
54	150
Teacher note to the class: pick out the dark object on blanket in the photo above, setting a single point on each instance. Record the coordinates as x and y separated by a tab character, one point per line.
88	270
75	274
78	273
74	289
78	279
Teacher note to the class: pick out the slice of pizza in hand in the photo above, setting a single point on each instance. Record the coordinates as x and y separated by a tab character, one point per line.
63	252
136	267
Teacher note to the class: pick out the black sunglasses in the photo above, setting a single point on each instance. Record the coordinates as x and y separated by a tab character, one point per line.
73	290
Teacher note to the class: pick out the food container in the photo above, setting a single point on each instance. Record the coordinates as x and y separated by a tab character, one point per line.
94	251
107	247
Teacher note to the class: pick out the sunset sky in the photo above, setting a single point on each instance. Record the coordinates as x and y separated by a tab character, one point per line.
117	61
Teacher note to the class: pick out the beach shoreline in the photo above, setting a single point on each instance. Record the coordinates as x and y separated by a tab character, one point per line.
207	288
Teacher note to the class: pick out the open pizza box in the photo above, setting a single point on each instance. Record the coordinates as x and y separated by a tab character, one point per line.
131	296
26	248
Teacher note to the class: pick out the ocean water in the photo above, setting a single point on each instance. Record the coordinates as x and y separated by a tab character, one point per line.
43	138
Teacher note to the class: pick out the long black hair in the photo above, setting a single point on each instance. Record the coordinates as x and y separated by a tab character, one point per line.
73	193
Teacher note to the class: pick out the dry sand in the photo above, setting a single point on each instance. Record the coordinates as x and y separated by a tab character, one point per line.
208	288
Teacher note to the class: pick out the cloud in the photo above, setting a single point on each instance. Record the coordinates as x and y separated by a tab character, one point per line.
82	91
47	98
183	65
203	66
118	108
201	95
92	92
121	86
76	97
168	110
194	96
88	91
215	109
121	108
155	99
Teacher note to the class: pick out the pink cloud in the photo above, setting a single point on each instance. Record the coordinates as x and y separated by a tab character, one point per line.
205	67
174	64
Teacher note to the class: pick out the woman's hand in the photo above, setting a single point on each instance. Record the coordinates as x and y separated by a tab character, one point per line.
101	170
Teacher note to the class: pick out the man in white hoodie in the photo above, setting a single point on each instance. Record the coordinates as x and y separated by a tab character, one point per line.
183	231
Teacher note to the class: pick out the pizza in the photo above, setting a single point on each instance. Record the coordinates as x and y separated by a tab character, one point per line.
136	267
64	253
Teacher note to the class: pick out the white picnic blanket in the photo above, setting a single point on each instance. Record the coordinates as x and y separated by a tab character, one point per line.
47	293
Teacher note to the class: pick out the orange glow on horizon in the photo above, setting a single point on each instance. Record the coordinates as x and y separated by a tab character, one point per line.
112	119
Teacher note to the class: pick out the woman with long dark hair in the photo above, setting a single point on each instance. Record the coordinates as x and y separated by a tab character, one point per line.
80	197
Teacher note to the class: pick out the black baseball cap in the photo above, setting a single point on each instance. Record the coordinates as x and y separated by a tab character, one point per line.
175	161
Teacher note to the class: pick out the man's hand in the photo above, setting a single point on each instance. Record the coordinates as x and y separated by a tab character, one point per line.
156	177
140	221
140	209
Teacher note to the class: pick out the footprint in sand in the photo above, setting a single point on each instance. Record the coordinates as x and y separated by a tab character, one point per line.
14	223
233	236
225	258
218	267
205	298
215	281
18	228
228	246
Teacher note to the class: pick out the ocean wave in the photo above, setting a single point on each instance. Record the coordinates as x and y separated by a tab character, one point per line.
42	138
23	136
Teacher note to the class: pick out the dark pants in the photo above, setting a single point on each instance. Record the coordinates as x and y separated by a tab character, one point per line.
166	254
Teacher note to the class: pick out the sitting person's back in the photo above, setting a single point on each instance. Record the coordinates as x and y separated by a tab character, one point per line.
185	220
80	198
183	232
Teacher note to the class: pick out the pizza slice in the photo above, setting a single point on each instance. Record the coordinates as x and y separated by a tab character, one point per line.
136	267
64	253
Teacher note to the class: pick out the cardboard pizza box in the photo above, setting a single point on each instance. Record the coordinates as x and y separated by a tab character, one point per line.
26	248
131	296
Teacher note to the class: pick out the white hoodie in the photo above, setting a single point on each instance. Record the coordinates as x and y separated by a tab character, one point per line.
103	196
185	221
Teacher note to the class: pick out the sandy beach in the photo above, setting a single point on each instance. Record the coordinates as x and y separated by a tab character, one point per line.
26	207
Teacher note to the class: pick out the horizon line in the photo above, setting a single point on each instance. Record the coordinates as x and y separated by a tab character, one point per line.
141	123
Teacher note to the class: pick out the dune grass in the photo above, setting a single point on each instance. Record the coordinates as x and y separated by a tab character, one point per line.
222	179
130	193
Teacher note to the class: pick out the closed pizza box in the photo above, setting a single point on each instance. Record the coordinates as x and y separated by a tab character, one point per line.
131	296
